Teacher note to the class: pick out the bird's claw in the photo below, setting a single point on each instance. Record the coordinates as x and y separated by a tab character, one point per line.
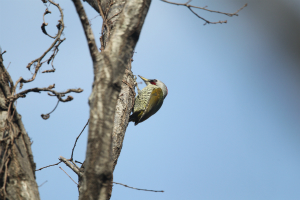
135	78
136	84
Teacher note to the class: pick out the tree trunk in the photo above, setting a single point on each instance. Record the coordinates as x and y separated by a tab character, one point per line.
17	168
113	93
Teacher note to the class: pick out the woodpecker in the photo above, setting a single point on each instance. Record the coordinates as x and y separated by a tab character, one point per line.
149	100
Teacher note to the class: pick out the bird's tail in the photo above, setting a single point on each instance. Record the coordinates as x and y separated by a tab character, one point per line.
134	118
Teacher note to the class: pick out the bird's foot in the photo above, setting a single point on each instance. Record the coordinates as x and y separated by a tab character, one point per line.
136	84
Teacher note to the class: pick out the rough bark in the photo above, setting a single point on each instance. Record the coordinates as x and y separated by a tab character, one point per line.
17	168
112	81
111	12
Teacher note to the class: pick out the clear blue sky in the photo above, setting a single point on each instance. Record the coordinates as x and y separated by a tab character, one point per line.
229	127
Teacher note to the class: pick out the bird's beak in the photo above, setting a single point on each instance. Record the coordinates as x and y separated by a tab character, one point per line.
144	79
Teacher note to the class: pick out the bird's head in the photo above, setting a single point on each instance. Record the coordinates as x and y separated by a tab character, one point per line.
157	83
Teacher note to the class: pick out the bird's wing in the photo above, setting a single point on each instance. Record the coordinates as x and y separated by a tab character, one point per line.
154	103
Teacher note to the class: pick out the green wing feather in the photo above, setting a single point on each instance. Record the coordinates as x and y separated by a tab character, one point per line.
147	103
153	105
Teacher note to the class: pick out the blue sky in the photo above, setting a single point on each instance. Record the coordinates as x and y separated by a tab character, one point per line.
229	127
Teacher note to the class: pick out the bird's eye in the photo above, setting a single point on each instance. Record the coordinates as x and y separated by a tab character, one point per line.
155	80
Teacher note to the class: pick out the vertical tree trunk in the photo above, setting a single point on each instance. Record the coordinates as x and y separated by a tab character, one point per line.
17	168
113	84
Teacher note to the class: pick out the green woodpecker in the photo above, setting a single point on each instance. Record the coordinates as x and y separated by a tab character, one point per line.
149	100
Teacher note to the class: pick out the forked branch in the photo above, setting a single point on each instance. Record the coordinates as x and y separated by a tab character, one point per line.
38	62
59	95
205	8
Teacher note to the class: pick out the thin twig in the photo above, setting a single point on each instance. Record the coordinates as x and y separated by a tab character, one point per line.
46	116
42	184
8	66
78	162
114	15
2	52
204	8
239	10
48	166
68	175
73	165
78	138
90	20
206	21
138	188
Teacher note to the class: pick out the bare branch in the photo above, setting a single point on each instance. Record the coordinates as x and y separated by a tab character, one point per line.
46	116
78	162
55	44
2	52
59	95
77	139
87	29
73	167
46	24
205	8
90	20
206	21
42	183
68	175
138	188
48	166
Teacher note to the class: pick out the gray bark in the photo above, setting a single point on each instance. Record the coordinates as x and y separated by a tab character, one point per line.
17	168
113	91
126	98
